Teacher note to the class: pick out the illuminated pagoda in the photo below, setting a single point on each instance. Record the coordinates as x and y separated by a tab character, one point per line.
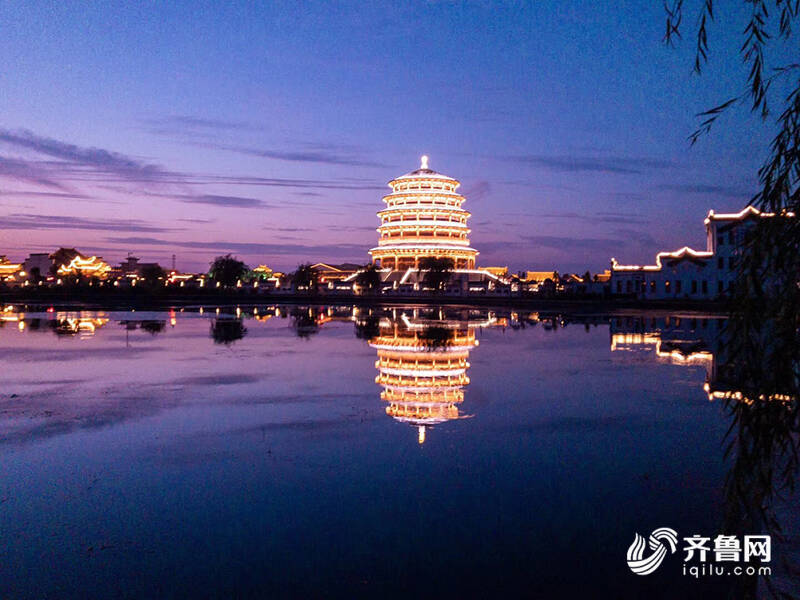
422	366
423	218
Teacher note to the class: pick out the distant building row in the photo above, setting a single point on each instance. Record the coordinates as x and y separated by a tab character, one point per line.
683	274
688	273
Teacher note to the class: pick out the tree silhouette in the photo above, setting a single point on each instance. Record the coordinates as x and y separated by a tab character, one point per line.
368	328
227	270
227	331
766	293
369	278
305	277
434	337
152	274
304	322
153	327
437	271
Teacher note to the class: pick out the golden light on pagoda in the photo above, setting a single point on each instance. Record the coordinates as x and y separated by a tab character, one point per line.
423	218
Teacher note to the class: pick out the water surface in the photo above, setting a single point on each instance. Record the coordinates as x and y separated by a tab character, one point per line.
338	451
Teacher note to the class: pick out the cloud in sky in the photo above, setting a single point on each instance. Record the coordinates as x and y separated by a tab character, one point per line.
226	201
28	172
622	237
627	235
36	194
197	221
319	156
599	217
288	229
478	190
342	184
330	250
96	165
23	221
205	132
187	123
96	159
705	189
598	164
569	244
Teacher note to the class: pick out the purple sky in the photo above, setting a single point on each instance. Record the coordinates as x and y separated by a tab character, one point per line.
270	132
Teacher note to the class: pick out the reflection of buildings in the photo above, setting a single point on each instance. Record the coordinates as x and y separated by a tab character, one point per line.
686	340
673	339
422	365
60	323
83	326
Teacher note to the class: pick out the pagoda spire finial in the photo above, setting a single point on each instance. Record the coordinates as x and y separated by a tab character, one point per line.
423	161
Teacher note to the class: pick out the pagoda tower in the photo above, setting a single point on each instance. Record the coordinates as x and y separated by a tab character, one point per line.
423	218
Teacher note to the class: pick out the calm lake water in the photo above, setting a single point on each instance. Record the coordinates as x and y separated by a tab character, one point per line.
322	451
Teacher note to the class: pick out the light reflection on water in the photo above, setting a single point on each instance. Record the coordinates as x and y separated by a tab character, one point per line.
294	449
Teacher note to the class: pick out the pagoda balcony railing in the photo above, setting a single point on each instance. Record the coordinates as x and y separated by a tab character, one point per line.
428	239
446	411
423	382
424	208
454	396
454	206
426	186
438	223
433	365
424	373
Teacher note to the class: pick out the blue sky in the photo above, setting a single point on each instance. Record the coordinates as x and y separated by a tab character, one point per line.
270	131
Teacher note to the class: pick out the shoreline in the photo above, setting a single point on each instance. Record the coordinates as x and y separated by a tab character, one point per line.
144	299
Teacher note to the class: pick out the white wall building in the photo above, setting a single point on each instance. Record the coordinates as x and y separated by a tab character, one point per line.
40	261
688	273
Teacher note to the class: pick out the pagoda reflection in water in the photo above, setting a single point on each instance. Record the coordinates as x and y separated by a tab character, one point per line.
423	358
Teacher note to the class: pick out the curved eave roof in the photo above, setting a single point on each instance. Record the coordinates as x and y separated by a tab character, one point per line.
423	208
424	192
423	246
422	175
